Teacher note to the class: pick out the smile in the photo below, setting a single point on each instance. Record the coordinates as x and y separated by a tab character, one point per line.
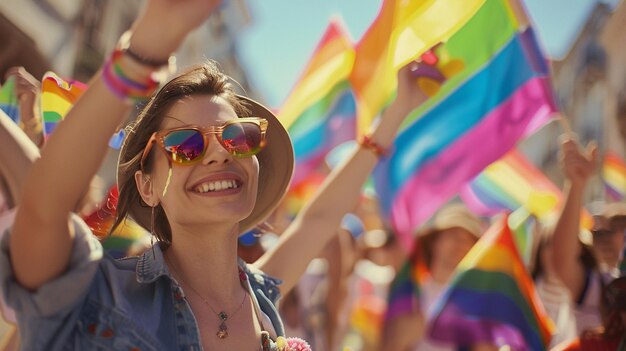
217	185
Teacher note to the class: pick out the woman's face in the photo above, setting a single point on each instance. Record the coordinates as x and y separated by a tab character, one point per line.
451	245
607	246
186	201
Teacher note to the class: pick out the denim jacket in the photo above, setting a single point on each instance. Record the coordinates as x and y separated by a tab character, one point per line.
104	304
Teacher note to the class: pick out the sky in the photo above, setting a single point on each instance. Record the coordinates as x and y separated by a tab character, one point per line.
276	46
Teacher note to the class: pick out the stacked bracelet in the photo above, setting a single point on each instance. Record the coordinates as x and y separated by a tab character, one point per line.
120	84
368	143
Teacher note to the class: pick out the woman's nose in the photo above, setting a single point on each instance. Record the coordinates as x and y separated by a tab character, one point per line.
215	152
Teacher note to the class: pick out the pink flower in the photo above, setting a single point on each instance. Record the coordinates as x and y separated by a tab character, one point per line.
297	344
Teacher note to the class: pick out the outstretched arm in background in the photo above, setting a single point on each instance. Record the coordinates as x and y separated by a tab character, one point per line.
578	166
317	223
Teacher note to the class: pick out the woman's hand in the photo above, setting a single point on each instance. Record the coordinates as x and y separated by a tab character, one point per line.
26	89
578	164
163	25
410	95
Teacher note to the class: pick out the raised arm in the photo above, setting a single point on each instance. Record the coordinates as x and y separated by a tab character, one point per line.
41	240
17	155
311	230
578	166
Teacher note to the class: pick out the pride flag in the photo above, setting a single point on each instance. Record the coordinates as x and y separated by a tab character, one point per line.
57	97
501	95
614	176
402	31
404	292
320	111
513	182
8	100
510	183
492	299
125	237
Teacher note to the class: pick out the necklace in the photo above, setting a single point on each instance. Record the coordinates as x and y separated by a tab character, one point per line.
222	332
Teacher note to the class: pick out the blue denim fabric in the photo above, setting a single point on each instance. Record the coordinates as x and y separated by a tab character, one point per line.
104	304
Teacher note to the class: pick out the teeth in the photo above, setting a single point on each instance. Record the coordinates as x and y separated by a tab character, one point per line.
216	186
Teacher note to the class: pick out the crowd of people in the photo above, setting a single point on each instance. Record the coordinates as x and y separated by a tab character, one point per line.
204	172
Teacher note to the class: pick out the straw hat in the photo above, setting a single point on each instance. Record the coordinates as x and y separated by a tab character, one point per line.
276	165
456	216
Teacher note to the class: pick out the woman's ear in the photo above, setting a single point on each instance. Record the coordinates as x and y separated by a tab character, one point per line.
146	189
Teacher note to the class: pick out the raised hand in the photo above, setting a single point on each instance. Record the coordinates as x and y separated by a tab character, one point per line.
578	163
26	89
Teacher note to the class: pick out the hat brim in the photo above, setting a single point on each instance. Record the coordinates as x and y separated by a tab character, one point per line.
276	167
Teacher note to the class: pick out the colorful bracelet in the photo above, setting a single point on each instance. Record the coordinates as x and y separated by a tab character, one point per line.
368	143
145	60
124	87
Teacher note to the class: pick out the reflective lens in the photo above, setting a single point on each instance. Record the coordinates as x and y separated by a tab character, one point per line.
184	145
242	139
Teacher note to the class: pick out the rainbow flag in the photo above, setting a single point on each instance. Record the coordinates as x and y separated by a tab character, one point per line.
501	95
492	299
8	100
614	176
57	97
402	31
513	182
126	235
404	292
510	183
320	111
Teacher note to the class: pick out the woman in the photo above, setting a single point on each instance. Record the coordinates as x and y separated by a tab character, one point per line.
195	189
454	232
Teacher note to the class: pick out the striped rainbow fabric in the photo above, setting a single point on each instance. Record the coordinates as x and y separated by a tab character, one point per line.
320	111
404	292
492	299
513	182
57	97
8	100
124	238
614	176
502	94
402	31
510	183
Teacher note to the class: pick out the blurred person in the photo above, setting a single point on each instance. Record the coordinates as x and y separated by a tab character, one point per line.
611	335
453	233
317	308
556	298
583	270
194	174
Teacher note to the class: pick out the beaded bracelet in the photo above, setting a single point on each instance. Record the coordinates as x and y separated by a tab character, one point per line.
124	87
368	143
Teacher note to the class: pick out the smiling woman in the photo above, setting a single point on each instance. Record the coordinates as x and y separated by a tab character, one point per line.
200	166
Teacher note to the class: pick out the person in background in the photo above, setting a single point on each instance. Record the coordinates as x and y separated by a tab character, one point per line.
441	247
556	298
585	271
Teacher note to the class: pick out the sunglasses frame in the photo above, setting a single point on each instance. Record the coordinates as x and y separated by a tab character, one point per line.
159	138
